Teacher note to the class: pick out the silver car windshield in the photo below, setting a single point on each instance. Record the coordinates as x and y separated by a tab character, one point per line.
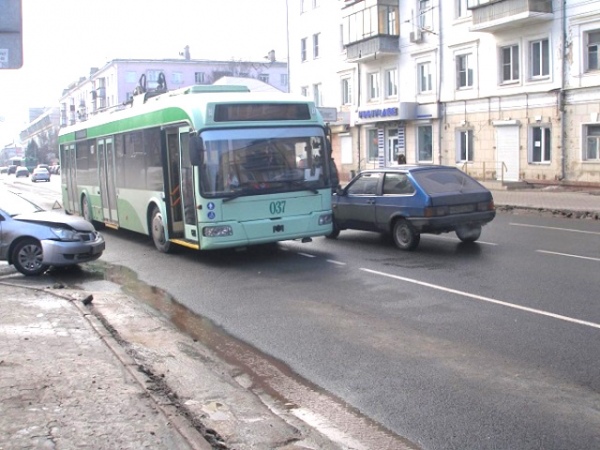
256	161
15	205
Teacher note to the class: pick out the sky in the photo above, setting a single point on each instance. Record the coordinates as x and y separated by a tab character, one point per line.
63	39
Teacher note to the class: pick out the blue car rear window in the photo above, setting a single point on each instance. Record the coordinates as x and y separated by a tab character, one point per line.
450	180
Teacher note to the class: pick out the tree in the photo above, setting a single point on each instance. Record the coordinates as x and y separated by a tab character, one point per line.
31	153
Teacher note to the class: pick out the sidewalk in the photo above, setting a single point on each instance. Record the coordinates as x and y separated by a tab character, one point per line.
584	204
65	382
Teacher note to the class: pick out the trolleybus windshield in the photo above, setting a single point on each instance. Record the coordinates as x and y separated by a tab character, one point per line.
253	161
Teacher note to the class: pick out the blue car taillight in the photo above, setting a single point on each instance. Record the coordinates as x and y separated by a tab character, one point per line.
436	211
486	206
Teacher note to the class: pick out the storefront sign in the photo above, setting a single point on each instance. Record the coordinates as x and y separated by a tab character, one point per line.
377	113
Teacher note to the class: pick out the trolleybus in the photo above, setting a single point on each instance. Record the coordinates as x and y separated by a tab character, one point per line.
205	167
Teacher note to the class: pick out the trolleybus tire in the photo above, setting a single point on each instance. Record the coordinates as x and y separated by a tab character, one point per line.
157	231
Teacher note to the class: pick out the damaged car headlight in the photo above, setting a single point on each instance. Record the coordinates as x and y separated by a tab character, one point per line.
65	234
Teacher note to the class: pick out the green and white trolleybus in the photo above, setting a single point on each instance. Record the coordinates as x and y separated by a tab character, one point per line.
205	167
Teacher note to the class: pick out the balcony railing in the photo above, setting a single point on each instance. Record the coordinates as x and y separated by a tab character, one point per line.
375	47
505	14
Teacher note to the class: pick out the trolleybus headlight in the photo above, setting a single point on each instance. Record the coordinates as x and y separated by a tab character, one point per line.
325	219
219	231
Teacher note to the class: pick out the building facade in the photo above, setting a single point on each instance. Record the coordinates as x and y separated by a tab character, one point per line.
504	89
114	84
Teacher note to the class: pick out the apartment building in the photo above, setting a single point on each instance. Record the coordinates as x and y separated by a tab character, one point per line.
504	89
114	84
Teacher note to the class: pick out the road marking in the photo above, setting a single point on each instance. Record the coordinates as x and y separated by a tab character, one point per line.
308	255
339	263
486	299
554	228
566	254
448	238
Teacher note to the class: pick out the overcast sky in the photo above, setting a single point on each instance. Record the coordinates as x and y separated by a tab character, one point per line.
63	39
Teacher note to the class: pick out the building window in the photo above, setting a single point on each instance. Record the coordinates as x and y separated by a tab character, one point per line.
593	50
316	45
391	83
540	58
425	143
303	6
509	61
130	77
461	9
316	3
346	91
464	146
283	79
592	148
424	14
152	76
372	144
303	49
373	86
177	78
304	91
424	77
199	77
464	71
539	151
317	94
392	21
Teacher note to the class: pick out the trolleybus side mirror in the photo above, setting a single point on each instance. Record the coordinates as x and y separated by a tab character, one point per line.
196	149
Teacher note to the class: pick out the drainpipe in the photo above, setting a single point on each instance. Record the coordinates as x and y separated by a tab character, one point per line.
563	125
439	90
358	96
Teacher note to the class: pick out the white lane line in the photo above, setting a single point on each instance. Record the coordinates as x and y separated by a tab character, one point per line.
448	238
566	254
339	263
308	255
554	228
486	299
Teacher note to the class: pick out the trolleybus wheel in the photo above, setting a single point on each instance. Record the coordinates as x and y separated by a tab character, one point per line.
157	231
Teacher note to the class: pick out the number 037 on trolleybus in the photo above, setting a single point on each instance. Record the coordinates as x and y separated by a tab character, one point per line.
205	167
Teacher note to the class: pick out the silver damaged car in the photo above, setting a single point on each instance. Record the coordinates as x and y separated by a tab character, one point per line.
33	239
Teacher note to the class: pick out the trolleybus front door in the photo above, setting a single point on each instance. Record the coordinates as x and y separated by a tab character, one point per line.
181	204
190	216
174	203
108	189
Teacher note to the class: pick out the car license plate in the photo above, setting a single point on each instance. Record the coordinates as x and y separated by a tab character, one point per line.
460	209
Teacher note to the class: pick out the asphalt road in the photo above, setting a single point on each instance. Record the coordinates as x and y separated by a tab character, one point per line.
487	346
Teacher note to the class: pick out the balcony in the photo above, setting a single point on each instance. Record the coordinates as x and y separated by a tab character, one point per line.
498	15
370	29
373	48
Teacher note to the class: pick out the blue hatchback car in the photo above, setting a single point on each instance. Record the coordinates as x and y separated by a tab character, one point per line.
406	201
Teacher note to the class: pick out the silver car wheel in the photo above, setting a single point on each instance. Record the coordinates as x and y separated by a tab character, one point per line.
28	258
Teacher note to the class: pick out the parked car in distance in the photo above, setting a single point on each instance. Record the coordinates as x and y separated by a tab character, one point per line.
3	169
12	169
40	174
406	201
22	171
33	239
